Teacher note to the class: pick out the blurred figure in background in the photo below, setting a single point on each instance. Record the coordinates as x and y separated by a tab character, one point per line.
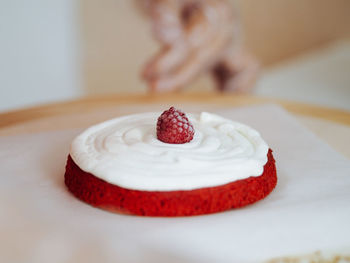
197	37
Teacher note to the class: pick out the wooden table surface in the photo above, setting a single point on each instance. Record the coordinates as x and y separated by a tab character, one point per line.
90	104
83	112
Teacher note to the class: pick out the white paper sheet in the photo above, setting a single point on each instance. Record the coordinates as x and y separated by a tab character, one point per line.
40	221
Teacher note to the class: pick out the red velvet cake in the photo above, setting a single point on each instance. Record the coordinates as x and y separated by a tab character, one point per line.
176	166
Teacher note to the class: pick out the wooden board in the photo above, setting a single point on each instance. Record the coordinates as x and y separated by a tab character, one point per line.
90	105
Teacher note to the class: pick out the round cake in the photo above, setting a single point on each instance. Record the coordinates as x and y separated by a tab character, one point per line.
170	164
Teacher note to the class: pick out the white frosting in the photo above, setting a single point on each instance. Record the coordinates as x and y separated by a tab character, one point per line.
126	152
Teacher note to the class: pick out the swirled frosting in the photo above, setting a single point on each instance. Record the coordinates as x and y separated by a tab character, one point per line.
126	152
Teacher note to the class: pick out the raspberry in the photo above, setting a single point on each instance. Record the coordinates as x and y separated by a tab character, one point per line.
174	127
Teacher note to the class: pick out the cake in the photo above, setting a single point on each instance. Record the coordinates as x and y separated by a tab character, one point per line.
170	164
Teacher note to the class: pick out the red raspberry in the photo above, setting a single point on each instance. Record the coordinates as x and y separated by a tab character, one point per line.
174	127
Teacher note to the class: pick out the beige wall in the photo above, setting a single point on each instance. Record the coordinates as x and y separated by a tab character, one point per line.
116	38
278	29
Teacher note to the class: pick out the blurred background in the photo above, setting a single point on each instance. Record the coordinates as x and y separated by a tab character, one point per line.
65	49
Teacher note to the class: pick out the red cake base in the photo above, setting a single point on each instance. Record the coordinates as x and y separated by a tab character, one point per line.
99	193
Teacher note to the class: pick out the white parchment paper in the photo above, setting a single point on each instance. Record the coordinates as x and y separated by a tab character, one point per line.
40	221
